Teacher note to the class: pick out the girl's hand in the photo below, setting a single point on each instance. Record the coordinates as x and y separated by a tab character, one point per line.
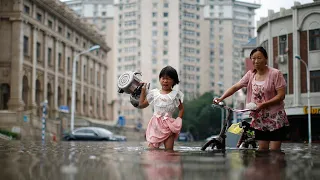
144	87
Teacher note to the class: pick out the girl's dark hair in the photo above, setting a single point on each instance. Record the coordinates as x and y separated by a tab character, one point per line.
261	49
171	72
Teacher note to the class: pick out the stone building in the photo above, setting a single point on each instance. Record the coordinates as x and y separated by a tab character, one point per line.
39	40
285	34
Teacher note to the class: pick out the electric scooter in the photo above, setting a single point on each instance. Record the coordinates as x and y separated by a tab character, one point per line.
220	141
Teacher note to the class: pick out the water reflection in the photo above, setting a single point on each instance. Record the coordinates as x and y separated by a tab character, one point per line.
131	160
264	165
160	163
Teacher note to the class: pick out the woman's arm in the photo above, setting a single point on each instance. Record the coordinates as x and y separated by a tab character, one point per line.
275	100
181	110
143	103
229	92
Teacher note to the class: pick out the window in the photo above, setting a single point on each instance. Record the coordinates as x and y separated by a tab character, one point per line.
77	67
165	14
68	65
314	81
165	33
314	39
38	50
59	60
26	9
49	56
154	24
166	5
91	75
50	24
154	14
154	33
282	44
85	71
39	17
104	13
165	24
264	44
154	61
60	29
154	5
25	45
165	52
68	35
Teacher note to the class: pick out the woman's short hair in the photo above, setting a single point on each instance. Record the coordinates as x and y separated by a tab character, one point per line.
261	49
171	72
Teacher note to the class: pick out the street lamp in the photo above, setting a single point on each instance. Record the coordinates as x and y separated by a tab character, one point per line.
308	91
74	82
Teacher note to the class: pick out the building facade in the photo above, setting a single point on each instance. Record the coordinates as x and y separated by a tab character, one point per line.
150	35
100	14
39	40
288	33
231	25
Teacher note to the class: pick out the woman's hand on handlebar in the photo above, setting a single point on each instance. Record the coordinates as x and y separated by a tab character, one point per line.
216	100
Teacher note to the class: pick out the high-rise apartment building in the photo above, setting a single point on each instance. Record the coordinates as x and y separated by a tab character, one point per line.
151	34
231	25
200	38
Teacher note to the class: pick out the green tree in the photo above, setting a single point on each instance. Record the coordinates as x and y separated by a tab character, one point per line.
200	118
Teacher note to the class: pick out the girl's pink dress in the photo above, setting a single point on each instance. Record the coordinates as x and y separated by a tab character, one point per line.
162	125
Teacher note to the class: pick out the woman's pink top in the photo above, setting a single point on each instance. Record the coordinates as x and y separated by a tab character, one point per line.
273	117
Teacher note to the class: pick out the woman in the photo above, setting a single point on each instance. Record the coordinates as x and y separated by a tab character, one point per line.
266	88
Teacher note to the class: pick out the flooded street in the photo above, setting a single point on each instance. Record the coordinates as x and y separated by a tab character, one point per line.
131	160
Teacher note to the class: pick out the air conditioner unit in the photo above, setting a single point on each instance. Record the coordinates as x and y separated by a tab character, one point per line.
282	59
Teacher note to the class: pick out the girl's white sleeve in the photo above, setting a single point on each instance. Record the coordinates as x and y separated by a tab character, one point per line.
178	98
150	96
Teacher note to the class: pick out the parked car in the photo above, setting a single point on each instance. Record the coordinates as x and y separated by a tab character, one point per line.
185	136
93	134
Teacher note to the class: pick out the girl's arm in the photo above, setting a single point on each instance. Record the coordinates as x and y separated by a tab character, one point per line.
143	103
181	110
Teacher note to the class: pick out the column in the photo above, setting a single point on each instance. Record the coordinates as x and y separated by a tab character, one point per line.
34	67
65	96
56	72
296	63
95	94
270	45
45	66
15	102
81	63
101	105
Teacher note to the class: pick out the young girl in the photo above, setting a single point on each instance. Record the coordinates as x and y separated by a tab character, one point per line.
162	128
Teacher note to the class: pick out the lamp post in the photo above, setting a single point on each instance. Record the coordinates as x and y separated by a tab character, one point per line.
74	82
308	91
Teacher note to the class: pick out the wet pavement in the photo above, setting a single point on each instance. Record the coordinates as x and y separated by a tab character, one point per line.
131	160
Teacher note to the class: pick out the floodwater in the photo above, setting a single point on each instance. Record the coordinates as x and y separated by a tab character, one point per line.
132	160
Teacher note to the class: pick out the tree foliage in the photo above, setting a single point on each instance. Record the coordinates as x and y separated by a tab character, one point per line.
200	118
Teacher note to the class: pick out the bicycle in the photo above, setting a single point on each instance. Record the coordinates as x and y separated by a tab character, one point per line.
220	142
